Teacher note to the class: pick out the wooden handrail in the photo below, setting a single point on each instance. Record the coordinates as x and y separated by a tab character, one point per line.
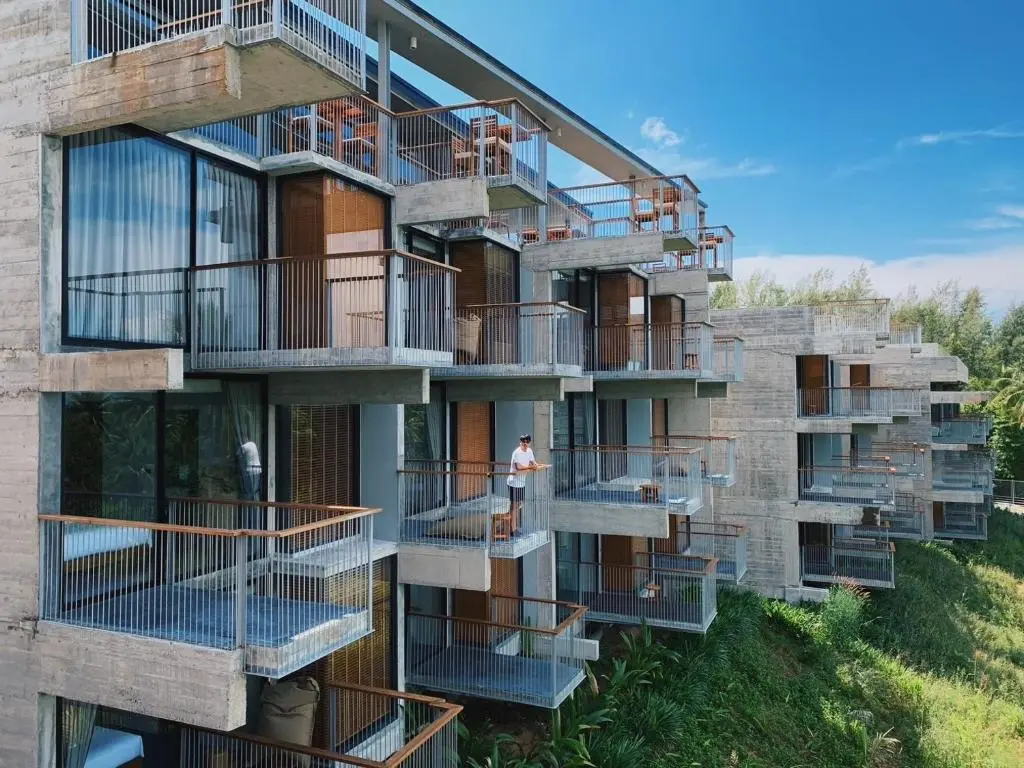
627	182
710	563
722	438
739	529
638	449
359	511
322	754
325	257
562	304
469	473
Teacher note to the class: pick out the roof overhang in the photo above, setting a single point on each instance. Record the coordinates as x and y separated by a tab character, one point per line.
448	55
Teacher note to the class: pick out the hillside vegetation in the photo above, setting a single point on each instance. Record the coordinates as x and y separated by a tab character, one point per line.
929	674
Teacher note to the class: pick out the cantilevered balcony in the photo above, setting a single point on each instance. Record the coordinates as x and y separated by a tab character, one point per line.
717	455
726	543
612	224
537	339
869	317
286	584
624	490
456	515
962	430
728	360
841	484
908	334
652	351
368	727
662	590
862	405
904	520
451	162
962	475
909	401
173	65
908	459
962	520
713	255
529	651
381	308
866	562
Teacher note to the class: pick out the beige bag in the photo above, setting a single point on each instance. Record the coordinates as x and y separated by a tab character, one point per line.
288	712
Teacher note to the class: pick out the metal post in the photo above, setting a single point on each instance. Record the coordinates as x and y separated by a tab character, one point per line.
79	31
225	11
313	144
483	135
276	20
241	579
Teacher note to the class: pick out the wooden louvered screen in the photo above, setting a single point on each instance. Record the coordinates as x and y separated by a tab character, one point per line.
472	444
667	336
365	662
666	309
302	236
470	604
471	283
354	218
812	379
612	434
659	418
488	277
678	536
620	551
505	581
323	440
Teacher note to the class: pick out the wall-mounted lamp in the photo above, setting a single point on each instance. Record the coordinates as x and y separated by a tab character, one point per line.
413	42
558	132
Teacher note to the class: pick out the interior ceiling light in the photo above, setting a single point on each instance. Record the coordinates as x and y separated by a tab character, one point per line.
413	42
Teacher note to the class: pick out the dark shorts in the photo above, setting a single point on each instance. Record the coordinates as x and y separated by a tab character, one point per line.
516	494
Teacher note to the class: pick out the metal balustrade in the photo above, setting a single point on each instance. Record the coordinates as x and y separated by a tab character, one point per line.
629	476
847	485
285	583
963	471
909	402
332	33
848	403
904	520
908	459
471	504
725	543
666	204
866	562
653	350
373	308
968	430
662	590
906	333
501	141
963	520
870	316
713	254
717	455
728	361
1008	491
528	651
367	727
525	337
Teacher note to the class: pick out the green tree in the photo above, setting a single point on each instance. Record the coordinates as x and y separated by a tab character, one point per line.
1010	337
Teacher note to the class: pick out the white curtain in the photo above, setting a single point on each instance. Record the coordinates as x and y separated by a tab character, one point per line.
246	406
128	238
78	722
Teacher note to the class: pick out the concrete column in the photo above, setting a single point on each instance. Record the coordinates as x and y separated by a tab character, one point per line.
381	454
638	422
46	708
384	64
51	238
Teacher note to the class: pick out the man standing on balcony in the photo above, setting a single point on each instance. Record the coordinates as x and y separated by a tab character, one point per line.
522	462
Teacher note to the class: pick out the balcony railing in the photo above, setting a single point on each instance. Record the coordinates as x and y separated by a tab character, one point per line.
526	337
909	402
653	350
717	455
847	403
846	485
666	204
330	32
285	583
663	590
369	728
725	543
375	308
907	458
870	316
475	504
969	430
728	362
713	254
963	471
865	562
906	333
629	476
961	520
905	520
501	141
527	652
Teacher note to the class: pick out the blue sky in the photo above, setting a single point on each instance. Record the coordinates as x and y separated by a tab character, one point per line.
824	133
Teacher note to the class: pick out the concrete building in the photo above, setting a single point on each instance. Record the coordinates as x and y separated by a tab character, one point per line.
273	323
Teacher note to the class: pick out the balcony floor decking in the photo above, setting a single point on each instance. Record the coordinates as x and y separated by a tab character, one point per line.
471	671
325	359
507	370
620	608
276	628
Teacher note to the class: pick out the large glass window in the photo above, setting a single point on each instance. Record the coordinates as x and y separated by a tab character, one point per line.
132	229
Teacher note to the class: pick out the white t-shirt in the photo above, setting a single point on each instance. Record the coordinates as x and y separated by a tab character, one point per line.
521	458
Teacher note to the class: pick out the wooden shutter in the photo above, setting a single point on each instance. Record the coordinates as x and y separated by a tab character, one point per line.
938	515
618	553
812	379
471	283
354	218
678	536
860	375
302	236
659	419
473	447
323	440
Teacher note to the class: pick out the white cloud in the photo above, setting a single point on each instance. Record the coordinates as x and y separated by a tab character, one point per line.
998	272
945	137
630	115
993	223
1011	211
656	130
700	168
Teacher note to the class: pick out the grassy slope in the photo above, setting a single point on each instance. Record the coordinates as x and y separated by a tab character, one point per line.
934	677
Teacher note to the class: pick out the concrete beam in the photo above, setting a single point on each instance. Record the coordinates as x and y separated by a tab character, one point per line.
122	371
581	384
596	252
189	81
716	389
678	282
963	398
528	390
450	567
433	201
406	386
610	519
639	389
